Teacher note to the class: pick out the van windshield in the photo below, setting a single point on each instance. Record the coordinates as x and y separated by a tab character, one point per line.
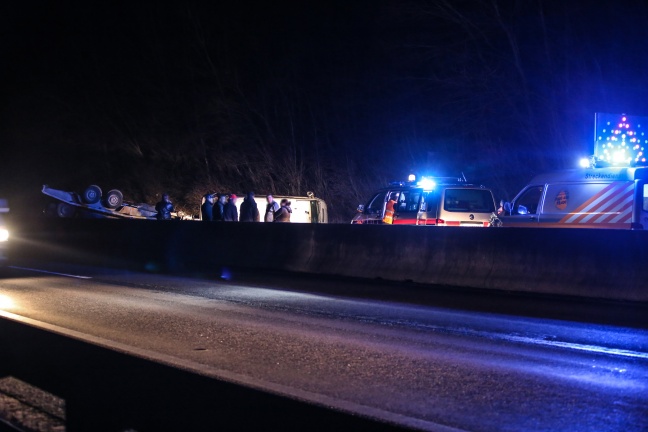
376	203
468	200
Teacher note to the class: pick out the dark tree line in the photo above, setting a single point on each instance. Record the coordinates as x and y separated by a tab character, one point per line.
332	98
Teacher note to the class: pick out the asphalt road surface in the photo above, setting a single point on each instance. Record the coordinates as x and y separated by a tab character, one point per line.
428	359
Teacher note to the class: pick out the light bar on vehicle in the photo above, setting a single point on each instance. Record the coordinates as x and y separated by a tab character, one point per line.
586	162
427	184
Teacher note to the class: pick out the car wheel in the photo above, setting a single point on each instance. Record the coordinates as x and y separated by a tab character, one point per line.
92	194
65	210
114	199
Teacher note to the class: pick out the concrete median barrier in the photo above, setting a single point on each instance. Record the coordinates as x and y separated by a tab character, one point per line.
606	264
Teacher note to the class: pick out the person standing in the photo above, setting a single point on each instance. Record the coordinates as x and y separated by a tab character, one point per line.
389	209
207	208
230	213
164	208
271	208
219	208
283	214
249	209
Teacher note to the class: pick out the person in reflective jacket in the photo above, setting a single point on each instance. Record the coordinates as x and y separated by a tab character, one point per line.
389	209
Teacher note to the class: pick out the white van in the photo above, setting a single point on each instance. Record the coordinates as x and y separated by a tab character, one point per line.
433	204
582	198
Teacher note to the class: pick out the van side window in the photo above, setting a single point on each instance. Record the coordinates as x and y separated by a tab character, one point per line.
408	201
430	202
468	200
645	198
528	202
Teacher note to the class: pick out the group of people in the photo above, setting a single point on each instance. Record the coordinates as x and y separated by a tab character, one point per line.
222	207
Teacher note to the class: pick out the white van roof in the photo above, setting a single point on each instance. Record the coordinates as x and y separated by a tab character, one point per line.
593	175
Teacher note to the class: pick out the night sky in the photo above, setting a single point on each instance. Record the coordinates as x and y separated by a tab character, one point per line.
288	97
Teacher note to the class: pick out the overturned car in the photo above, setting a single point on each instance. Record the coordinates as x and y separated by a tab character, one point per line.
93	203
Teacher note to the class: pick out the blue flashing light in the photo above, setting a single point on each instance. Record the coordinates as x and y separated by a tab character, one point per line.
427	184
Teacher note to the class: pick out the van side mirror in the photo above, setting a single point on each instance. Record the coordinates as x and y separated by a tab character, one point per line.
360	208
507	207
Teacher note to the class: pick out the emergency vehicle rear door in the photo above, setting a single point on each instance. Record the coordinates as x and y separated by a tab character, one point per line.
467	207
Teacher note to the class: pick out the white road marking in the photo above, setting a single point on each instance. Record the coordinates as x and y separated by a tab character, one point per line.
577	346
52	273
552	343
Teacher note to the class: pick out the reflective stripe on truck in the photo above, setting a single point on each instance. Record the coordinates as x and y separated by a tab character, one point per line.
612	205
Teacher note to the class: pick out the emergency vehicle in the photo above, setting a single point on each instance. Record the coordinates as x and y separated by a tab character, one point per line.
439	201
614	197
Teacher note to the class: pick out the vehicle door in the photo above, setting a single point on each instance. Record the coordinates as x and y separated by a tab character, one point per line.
373	212
429	208
406	208
314	212
525	208
468	207
643	201
589	205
